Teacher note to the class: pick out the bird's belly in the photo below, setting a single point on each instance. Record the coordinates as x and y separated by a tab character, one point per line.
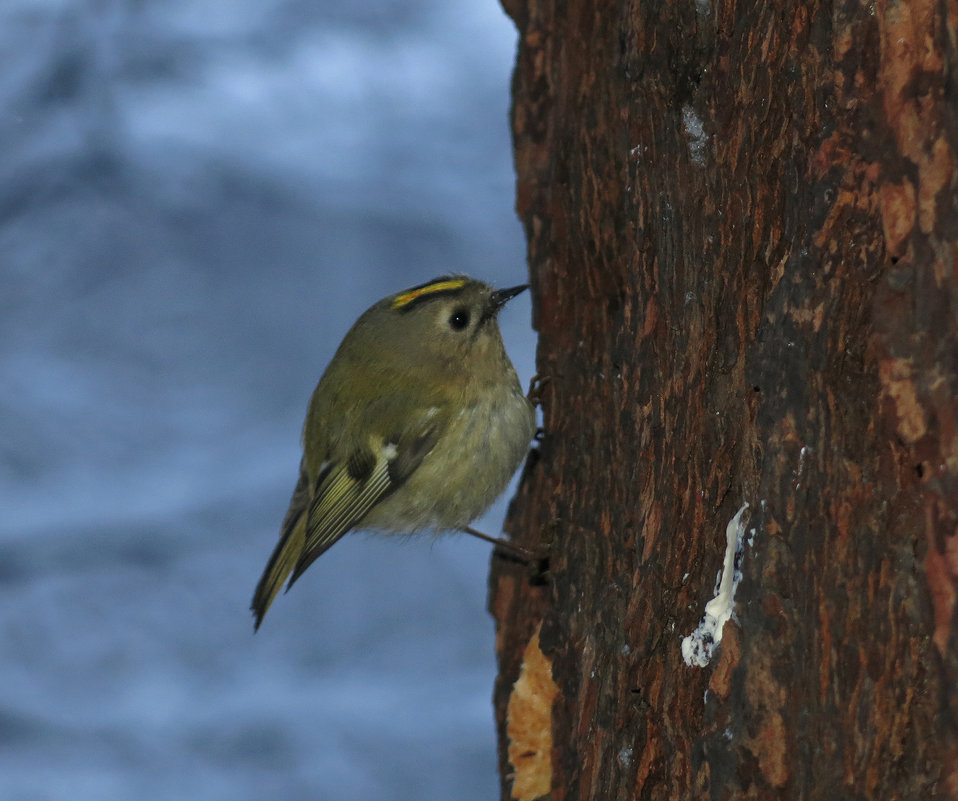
466	471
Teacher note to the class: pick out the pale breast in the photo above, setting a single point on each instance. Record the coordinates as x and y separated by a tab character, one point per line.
468	468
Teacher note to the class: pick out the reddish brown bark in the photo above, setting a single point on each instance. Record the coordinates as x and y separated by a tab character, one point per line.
743	242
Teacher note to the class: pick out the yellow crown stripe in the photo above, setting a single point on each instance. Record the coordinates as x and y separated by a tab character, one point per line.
405	298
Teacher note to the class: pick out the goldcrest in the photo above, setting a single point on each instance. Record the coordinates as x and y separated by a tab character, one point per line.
418	423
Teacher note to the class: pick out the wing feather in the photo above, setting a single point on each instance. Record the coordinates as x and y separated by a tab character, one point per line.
340	497
287	551
338	506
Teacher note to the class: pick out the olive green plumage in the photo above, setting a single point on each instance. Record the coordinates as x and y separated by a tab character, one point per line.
418	423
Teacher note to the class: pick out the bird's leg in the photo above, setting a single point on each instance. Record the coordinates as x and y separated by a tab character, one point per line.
520	552
536	384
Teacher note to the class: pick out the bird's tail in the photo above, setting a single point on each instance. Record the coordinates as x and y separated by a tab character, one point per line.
280	565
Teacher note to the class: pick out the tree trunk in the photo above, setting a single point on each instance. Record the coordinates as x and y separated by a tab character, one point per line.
742	226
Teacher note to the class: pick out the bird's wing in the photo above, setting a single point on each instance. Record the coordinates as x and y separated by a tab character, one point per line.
287	550
346	491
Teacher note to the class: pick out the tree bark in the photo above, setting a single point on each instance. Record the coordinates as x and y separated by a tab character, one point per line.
742	225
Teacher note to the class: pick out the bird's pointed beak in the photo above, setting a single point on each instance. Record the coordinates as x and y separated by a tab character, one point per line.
501	297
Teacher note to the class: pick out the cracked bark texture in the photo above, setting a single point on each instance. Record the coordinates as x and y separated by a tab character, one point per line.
742	224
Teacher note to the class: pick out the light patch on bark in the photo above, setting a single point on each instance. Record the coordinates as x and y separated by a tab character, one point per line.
529	725
898	383
698	647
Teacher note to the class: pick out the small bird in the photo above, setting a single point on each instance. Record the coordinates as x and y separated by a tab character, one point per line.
418	423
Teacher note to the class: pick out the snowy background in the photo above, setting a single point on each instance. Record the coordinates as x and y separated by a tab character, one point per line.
196	200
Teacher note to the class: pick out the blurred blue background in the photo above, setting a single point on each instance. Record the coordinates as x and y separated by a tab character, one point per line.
196	200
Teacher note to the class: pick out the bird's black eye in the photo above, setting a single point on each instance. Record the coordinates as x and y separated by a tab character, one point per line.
459	319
